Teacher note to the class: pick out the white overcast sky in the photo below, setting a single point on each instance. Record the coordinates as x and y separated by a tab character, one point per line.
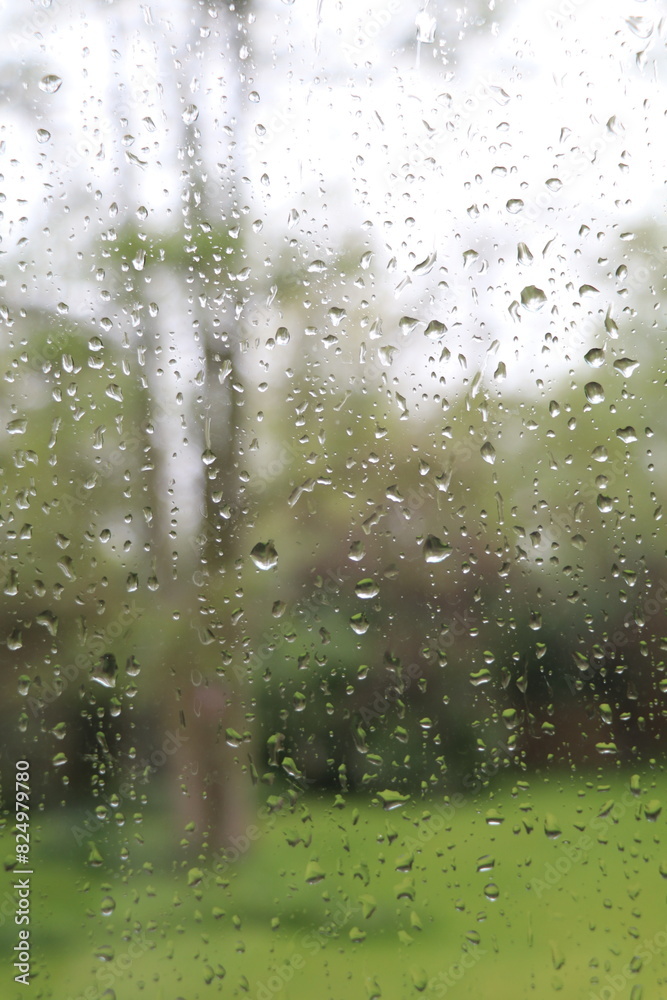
335	101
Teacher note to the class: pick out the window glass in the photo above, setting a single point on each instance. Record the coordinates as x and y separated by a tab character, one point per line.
332	462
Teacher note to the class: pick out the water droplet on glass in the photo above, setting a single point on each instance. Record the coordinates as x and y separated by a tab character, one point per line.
191	114
359	624
264	555
392	800
105	671
523	253
435	330
532	298
435	550
594	392
652	810
491	891
366	589
50	83
626	366
488	452
314	872
426	265
551	826
43	135
594	357
514	205
357	551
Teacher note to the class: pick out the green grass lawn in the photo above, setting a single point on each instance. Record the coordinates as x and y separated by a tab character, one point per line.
520	891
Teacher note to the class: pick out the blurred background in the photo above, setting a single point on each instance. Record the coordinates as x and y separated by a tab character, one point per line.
333	452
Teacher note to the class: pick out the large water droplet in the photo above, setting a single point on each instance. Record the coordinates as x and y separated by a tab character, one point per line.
50	83
359	624
435	330
626	366
264	555
435	550
532	298
488	452
106	670
594	392
594	357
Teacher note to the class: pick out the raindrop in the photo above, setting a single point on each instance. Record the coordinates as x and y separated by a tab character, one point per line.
314	872
18	426
626	366
407	324
551	826
435	330
488	452
532	298
594	392
359	624
523	253
435	550
43	135
357	551
191	114
50	83
594	357
652	810
366	589
426	265
105	671
392	800
426	26
264	555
